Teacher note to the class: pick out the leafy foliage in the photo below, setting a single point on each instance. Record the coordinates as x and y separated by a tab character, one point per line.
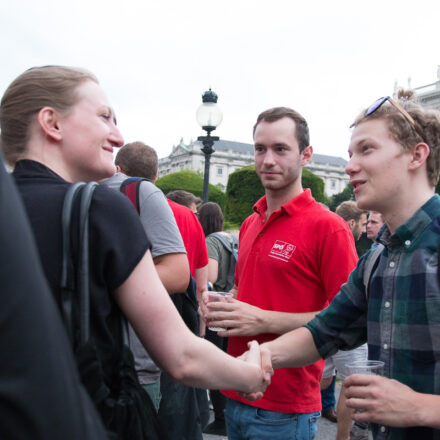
191	182
244	189
337	199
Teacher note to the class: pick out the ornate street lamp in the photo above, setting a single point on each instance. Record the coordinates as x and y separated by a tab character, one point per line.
209	117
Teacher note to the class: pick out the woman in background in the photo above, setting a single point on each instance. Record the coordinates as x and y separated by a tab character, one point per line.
221	276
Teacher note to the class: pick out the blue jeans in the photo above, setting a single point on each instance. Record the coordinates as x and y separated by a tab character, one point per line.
328	396
244	422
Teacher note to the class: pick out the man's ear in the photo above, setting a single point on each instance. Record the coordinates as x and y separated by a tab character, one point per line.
119	169
419	155
307	154
48	119
351	223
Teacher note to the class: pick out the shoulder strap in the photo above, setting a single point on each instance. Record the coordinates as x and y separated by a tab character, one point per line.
68	277
83	266
229	247
78	282
130	188
233	251
370	266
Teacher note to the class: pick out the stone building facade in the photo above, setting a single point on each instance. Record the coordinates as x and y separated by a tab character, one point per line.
230	156
429	95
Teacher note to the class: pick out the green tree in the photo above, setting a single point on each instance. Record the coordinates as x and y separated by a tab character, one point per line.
191	182
337	199
244	189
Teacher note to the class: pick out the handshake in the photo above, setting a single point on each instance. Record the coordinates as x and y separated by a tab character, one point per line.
258	355
229	317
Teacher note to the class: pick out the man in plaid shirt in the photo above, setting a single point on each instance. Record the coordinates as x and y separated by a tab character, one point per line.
394	167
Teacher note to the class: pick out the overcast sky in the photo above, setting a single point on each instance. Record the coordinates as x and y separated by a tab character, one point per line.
328	60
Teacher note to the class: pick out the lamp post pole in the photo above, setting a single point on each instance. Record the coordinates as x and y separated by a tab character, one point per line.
209	118
208	149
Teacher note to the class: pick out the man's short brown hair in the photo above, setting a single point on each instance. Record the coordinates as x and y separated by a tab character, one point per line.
348	210
184	198
137	159
276	113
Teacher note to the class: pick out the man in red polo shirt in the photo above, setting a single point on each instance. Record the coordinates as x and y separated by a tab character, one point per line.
294	256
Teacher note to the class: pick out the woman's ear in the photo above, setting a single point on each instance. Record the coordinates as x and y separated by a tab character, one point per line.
48	119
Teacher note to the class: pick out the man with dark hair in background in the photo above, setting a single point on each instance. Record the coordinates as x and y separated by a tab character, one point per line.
356	218
185	198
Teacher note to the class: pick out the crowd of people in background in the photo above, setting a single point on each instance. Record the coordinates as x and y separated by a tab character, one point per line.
303	303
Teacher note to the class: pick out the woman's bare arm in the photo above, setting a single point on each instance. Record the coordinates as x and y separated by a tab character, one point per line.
187	358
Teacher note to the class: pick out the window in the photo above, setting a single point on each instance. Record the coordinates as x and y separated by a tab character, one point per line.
333	184
219	171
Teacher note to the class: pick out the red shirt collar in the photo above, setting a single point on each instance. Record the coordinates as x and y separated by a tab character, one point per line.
291	208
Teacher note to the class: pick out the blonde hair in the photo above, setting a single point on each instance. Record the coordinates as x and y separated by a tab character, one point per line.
38	87
403	132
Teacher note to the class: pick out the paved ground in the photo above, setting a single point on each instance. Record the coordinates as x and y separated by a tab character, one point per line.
326	429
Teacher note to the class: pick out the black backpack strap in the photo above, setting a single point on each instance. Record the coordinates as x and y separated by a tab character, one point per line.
76	283
370	266
68	277
84	264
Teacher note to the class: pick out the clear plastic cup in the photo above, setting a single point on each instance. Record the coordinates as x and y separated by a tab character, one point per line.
365	367
218	296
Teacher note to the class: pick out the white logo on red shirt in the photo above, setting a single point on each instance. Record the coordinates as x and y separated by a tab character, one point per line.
282	250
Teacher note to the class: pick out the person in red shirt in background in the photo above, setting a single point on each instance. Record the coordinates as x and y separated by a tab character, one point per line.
294	256
184	207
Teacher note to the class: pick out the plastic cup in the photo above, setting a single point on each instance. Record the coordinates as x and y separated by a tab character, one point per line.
365	367
214	297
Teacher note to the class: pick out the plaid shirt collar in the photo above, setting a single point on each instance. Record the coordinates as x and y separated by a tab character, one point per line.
409	231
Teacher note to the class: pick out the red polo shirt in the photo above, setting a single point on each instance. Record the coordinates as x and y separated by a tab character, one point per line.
294	262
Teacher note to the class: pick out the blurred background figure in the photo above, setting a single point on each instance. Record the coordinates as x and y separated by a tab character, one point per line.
222	252
375	222
185	198
356	220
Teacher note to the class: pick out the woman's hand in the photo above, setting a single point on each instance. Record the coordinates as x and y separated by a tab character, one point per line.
260	356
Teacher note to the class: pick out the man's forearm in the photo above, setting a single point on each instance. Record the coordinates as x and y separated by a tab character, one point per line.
283	322
293	349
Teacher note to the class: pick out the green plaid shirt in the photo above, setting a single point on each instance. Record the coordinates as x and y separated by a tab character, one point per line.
401	319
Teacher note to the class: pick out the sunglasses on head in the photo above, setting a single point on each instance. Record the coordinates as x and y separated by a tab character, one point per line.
379	102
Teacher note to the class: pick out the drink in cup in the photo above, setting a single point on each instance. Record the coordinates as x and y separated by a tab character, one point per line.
218	296
365	367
